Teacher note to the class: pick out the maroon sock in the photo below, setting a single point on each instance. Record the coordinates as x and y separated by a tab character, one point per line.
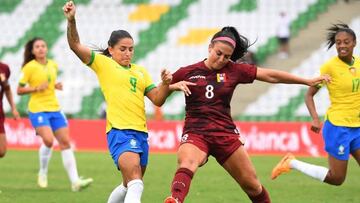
181	183
263	197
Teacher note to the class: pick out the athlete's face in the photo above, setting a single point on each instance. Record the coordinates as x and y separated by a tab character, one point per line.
345	44
219	55
123	51
39	49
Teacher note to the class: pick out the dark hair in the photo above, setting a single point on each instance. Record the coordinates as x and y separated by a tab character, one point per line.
242	43
335	29
115	36
28	55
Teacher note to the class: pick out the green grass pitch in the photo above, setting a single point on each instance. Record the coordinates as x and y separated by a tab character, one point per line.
211	184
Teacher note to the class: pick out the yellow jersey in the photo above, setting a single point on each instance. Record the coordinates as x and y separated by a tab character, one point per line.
124	89
35	74
344	92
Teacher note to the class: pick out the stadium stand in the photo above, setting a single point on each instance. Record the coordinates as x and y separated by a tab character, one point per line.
167	33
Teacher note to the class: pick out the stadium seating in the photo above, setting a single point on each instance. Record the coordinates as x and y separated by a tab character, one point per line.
173	33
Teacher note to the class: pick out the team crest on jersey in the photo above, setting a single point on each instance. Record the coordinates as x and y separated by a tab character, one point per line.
133	143
352	70
221	77
141	74
341	150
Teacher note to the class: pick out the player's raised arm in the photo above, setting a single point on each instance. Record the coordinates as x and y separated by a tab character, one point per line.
83	52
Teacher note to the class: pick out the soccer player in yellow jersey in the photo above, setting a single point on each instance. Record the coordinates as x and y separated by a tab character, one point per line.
38	78
341	130
124	86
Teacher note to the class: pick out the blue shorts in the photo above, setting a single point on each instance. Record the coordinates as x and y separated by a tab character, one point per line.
341	141
120	141
55	119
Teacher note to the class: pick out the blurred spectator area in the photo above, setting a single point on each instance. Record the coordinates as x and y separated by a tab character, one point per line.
168	34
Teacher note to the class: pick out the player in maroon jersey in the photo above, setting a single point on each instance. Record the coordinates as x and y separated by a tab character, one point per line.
209	128
5	88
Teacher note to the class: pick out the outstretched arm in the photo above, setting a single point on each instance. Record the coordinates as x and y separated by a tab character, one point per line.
310	104
83	52
276	76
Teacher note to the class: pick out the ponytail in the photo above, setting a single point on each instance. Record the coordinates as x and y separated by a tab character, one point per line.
241	43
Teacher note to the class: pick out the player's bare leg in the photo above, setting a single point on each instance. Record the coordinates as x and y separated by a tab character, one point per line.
239	166
129	164
337	171
356	155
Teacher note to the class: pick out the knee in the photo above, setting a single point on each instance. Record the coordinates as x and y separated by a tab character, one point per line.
335	179
48	143
64	145
133	173
64	142
253	188
190	164
251	185
2	150
2	153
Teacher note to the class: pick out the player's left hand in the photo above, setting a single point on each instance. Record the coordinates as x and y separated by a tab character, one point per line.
59	86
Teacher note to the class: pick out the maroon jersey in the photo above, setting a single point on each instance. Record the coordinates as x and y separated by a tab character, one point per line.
4	76
208	106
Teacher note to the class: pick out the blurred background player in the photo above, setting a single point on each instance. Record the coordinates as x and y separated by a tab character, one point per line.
5	89
124	86
209	128
283	35
38	78
341	132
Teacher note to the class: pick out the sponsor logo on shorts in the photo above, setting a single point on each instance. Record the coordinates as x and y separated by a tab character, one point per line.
40	119
341	150
133	143
184	138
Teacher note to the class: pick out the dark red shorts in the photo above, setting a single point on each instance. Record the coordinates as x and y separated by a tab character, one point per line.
2	128
220	147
